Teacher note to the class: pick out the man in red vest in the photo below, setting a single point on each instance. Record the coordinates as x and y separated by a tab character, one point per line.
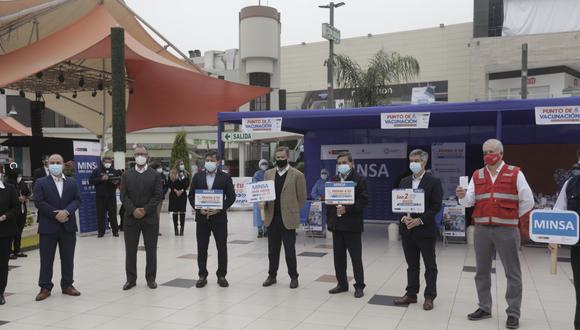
501	195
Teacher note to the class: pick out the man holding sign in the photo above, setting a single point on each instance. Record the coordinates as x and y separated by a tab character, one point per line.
501	195
211	216
419	231
345	221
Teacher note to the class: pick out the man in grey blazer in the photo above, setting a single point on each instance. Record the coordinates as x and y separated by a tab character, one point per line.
282	216
141	192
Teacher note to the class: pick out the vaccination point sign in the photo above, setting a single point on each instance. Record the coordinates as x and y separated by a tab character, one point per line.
559	227
559	115
394	120
250	125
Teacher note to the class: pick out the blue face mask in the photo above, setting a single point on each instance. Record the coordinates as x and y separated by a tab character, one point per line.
415	167
343	169
55	169
210	166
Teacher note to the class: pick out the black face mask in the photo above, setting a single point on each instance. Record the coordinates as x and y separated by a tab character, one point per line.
281	163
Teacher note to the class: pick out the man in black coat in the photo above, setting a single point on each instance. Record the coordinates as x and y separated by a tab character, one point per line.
346	224
105	179
41	171
419	231
15	179
212	221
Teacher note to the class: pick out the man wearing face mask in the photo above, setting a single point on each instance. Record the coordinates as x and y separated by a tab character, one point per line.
346	223
57	198
317	192
141	190
569	199
15	179
41	171
282	216
419	231
501	196
214	221
258	221
105	179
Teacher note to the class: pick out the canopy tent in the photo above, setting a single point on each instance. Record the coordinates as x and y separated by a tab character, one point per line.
9	125
164	90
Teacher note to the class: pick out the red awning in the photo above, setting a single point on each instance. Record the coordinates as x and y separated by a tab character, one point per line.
9	125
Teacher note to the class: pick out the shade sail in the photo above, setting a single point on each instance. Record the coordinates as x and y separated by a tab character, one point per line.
9	125
166	92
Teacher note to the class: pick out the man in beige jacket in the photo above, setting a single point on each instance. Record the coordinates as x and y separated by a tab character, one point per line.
282	216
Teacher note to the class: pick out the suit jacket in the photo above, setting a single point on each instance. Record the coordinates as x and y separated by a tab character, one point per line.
47	201
353	219
38	173
433	201
292	199
10	207
222	181
105	188
141	190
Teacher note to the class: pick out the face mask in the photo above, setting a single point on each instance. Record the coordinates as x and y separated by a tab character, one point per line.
324	176
160	170
55	169
108	165
182	167
281	163
210	166
491	159
415	167
141	160
343	169
18	179
264	167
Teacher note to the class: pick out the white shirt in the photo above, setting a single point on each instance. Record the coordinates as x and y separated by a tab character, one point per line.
59	182
417	181
141	170
283	171
210	179
562	201
2	185
525	195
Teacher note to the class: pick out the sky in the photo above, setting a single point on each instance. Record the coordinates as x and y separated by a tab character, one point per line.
213	24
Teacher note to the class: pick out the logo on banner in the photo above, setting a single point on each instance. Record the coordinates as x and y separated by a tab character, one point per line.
560	227
401	120
560	115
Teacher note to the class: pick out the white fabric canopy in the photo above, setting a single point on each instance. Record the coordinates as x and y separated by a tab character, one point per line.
523	17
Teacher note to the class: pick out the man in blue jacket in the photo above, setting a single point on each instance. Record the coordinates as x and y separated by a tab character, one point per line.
57	199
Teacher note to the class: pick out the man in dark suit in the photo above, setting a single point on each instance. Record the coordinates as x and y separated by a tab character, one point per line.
346	224
105	179
419	231
57	199
212	221
41	171
140	194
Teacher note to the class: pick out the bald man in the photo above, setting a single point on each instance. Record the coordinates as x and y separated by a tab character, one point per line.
57	199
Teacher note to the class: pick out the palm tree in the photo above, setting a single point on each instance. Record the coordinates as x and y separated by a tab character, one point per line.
384	69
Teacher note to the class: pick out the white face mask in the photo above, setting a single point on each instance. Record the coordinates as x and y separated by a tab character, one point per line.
18	179
141	160
264	167
160	170
107	165
182	167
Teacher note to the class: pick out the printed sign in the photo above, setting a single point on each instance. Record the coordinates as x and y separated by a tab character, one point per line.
453	219
237	137
250	125
209	199
394	120
559	227
408	200
263	191
87	159
337	193
239	186
558	115
448	164
315	223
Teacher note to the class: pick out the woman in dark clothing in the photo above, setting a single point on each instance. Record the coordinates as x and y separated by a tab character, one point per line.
15	179
9	208
178	183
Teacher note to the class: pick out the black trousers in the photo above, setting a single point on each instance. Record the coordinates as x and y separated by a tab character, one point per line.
18	237
132	234
176	221
343	241
66	243
107	205
278	235
121	216
5	243
204	229
575	260
414	248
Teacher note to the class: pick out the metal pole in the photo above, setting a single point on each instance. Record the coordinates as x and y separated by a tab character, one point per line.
330	64
118	87
524	88
104	133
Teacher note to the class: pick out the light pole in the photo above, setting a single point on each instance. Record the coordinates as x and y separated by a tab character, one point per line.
330	62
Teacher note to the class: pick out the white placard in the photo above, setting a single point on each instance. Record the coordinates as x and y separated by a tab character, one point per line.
559	115
405	120
408	201
252	125
239	187
464	182
209	199
558	227
263	191
339	193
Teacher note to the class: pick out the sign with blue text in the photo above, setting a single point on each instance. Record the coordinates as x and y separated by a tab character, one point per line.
263	191
339	193
408	200
559	227
87	159
209	199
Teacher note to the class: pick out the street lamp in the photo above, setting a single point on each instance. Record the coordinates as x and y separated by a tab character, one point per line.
330	62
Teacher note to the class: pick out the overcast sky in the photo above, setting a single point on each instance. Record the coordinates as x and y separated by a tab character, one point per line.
213	24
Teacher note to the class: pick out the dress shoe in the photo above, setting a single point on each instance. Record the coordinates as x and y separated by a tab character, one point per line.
428	304
128	286
222	282
338	289
479	314
405	300
2	300
116	234
512	322
201	282
269	281
100	235
181	231
358	293
293	283
152	284
13	257
22	255
43	294
71	291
